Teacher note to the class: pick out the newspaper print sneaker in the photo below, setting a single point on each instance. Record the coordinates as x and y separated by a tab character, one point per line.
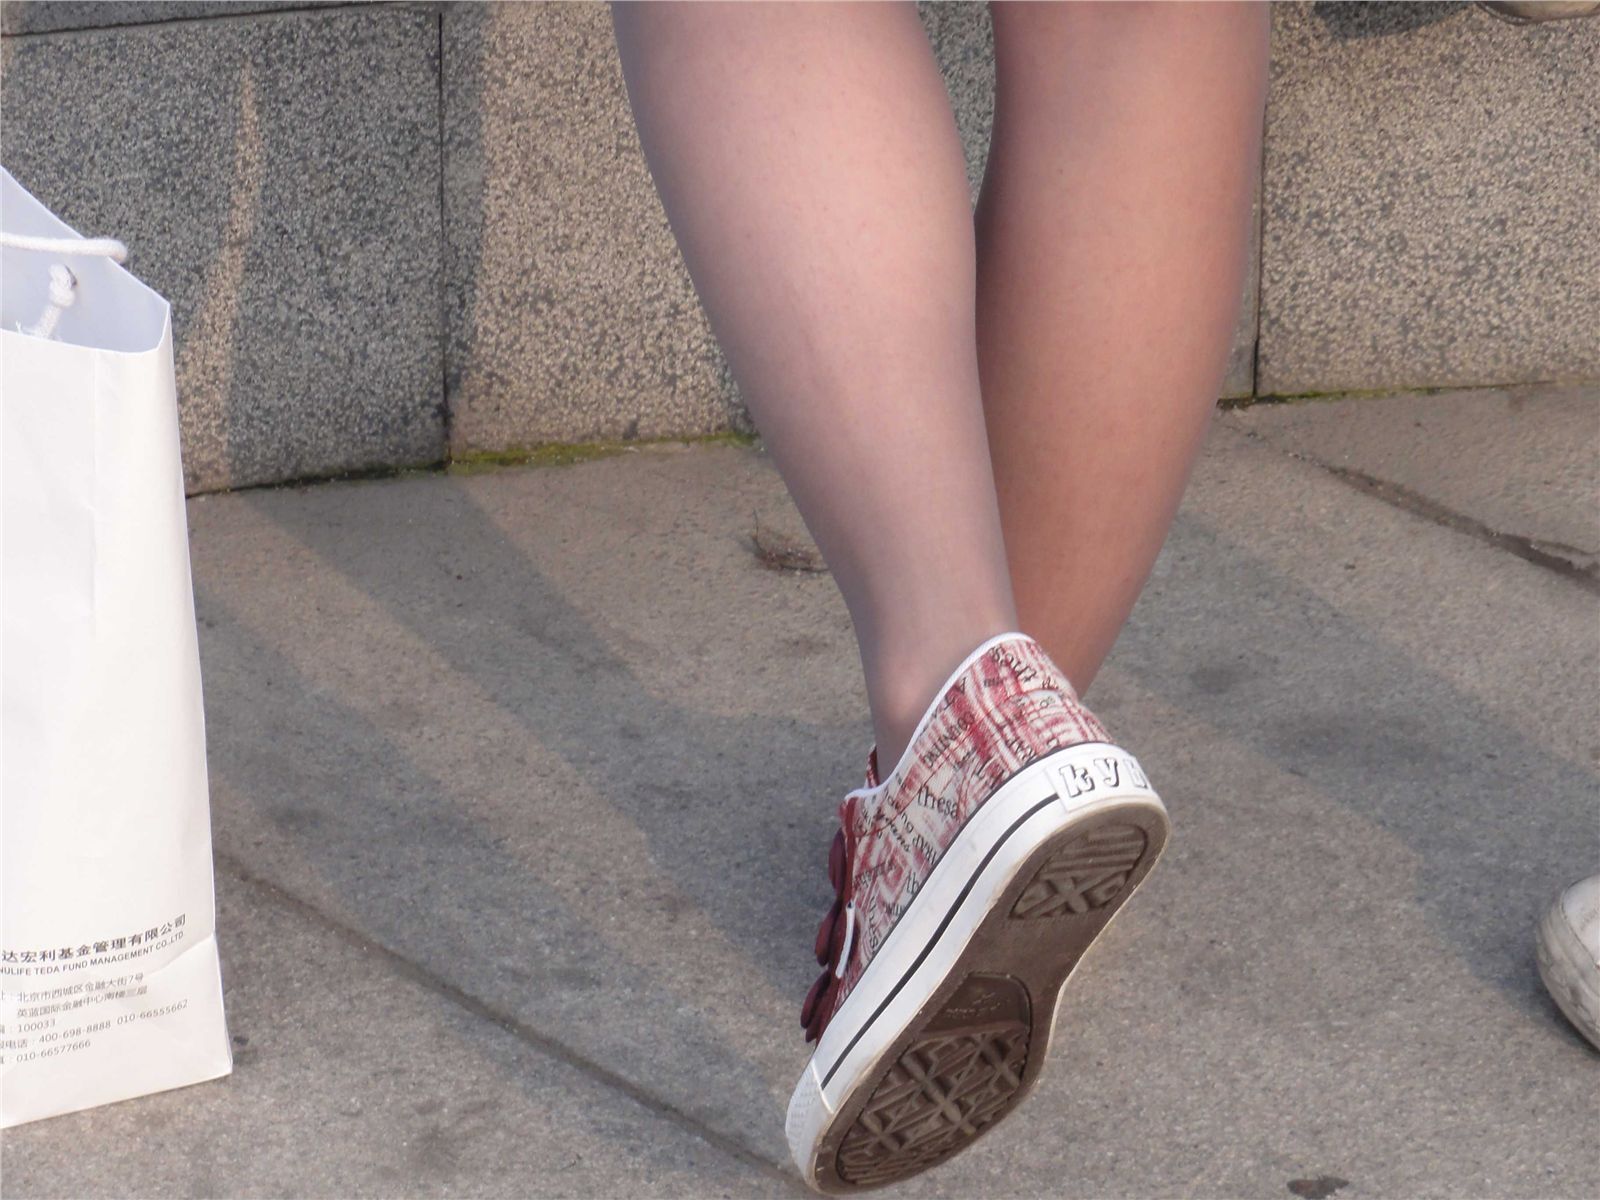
967	887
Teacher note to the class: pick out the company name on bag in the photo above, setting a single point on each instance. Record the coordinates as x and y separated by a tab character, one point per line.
51	960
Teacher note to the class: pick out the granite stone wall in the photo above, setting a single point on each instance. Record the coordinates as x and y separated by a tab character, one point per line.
274	174
1430	194
395	232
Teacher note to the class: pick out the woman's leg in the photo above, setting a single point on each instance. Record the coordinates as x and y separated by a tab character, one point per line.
1113	232
810	167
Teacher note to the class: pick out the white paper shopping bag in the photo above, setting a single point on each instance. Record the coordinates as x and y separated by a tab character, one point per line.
110	984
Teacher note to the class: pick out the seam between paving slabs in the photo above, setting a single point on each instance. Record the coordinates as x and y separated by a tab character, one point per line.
1540	553
446	413
523	1032
1261	253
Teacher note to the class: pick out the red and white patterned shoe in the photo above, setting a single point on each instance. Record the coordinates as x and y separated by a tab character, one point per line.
968	885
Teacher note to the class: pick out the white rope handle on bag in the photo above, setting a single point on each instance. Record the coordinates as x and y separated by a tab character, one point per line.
63	283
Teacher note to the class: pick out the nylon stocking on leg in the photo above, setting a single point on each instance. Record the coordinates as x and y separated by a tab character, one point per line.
1113	232
808	161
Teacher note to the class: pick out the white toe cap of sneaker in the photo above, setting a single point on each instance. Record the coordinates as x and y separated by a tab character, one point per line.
1569	955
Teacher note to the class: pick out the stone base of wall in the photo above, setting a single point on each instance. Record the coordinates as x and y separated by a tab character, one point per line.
396	231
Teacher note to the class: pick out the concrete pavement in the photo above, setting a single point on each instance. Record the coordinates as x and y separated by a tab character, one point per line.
523	782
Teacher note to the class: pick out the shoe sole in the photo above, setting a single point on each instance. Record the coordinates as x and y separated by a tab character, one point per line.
1569	973
949	1026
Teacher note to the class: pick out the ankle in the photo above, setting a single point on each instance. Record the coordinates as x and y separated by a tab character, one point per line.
900	691
891	743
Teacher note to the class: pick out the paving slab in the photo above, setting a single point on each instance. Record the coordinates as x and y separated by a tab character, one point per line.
557	741
1521	464
355	1076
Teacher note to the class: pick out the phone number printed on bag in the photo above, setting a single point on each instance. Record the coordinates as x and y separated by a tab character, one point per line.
34	1032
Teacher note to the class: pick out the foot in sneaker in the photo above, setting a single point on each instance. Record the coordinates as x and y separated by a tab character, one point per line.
1569	955
968	885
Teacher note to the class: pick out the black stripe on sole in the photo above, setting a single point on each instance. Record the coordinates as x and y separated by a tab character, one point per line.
977	1047
937	933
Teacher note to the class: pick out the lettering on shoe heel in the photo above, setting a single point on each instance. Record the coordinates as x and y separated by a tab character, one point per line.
1103	772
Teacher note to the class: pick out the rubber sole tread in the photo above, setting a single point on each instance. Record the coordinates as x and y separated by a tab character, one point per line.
977	1048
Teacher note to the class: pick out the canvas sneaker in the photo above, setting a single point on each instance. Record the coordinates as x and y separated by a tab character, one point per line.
1569	955
968	884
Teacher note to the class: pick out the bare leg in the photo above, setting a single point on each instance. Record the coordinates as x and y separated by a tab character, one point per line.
810	166
1113	233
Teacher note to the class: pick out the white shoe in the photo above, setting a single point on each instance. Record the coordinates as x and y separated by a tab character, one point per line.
1569	955
1532	12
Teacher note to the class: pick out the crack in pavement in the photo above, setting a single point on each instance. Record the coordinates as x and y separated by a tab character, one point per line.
1552	556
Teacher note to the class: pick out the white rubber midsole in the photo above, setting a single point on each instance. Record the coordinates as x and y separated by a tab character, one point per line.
1084	779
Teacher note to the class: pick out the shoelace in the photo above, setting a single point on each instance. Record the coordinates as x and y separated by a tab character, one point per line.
835	940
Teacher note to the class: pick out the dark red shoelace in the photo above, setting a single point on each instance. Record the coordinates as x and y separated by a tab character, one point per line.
832	936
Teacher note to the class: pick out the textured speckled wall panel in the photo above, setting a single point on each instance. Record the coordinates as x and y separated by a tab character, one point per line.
1431	192
277	178
570	312
358	233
